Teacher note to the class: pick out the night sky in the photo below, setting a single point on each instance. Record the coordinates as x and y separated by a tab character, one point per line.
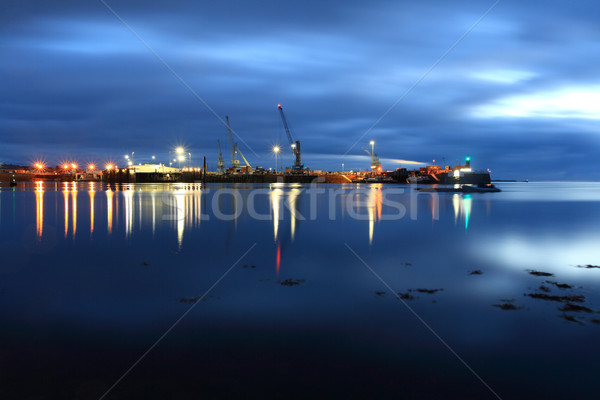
519	93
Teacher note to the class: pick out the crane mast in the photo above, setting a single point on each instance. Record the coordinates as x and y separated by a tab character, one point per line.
235	163
298	167
220	161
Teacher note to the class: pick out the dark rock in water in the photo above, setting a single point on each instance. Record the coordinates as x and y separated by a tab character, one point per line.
575	308
188	300
291	282
378	293
476	272
405	296
429	291
588	266
571	318
545	289
145	264
539	273
507	306
560	285
542	296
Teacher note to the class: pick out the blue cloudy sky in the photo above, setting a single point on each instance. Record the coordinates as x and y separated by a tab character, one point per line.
520	93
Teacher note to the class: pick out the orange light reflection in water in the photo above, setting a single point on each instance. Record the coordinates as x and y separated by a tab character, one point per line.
66	196
92	192
109	208
39	206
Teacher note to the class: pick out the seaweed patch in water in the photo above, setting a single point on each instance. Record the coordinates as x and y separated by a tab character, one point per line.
539	273
507	306
575	308
429	291
406	296
542	296
560	285
571	318
291	282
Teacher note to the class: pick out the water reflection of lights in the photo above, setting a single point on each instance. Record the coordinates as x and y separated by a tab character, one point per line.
66	197
128	204
39	207
109	208
292	203
462	207
92	193
275	206
374	209
180	217
74	211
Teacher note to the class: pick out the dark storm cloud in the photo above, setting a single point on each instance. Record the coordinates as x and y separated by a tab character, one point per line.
77	83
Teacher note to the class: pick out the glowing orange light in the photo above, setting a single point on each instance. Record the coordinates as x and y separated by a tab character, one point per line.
74	166
109	167
278	105
91	167
66	166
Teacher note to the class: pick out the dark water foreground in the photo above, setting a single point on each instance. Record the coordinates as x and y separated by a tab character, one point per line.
374	292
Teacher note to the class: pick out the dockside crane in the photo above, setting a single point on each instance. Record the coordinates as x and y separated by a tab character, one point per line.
298	168
220	161
235	163
375	163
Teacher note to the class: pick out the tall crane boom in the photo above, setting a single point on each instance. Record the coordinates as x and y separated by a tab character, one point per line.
298	167
220	161
235	163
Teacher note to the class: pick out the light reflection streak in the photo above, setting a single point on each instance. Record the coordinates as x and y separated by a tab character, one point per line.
74	211
109	208
180	207
39	206
153	195
292	202
275	203
128	204
92	193
467	207
66	196
374	209
278	264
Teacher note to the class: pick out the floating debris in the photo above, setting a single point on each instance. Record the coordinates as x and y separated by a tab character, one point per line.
406	296
539	273
571	318
188	299
476	272
560	285
291	282
429	291
545	289
588	266
379	293
507	306
542	296
575	308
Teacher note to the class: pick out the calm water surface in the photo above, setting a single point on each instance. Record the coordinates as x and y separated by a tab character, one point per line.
292	291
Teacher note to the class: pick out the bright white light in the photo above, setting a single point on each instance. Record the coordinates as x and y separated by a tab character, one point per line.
565	103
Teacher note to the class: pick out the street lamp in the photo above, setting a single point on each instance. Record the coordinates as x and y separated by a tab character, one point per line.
180	159
276	151
372	143
179	150
342	167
